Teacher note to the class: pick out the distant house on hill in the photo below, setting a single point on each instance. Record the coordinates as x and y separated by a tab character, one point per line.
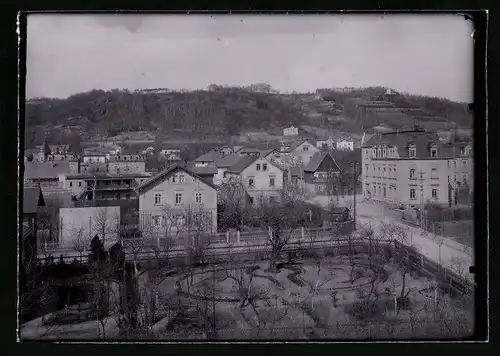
290	131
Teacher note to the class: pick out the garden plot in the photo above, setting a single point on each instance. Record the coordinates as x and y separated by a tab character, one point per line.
312	299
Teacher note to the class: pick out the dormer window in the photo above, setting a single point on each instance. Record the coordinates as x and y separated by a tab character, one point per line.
412	151
433	150
374	153
305	148
384	152
379	153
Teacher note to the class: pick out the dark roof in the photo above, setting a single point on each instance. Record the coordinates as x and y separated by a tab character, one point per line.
203	171
316	161
228	161
210	156
402	139
33	170
296	144
32	199
150	182
243	163
345	158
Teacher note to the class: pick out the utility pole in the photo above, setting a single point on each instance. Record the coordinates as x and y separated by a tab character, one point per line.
355	166
422	200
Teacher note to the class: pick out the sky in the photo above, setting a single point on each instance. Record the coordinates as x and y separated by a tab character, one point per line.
419	54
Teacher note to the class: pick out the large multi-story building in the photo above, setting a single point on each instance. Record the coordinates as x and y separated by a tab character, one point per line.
413	167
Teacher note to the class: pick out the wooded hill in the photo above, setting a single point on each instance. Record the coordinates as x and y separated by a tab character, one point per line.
218	112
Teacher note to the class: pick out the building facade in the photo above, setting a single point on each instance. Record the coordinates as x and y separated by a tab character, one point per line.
345	145
177	201
260	177
412	168
290	131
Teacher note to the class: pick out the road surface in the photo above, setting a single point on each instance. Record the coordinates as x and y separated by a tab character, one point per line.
446	252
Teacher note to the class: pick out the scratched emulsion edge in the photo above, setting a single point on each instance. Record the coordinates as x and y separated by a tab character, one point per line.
18	31
487	181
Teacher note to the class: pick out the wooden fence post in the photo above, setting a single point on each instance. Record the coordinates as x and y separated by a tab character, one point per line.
238	236
302	232
227	237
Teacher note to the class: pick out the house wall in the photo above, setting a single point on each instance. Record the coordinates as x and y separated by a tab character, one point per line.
188	189
90	220
262	179
345	145
121	167
304	152
219	177
290	131
94	159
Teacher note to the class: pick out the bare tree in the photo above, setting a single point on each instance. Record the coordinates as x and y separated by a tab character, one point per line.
103	224
232	197
282	220
79	240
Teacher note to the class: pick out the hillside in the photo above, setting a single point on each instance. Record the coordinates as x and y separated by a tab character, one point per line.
224	111
199	114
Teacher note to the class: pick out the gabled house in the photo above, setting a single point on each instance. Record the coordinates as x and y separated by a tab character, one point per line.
260	177
225	150
32	201
321	173
223	164
176	201
208	159
299	153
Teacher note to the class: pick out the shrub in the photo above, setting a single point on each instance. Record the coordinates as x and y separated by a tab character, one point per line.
364	310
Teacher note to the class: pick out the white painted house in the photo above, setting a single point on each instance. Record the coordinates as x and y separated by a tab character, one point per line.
290	131
345	145
260	176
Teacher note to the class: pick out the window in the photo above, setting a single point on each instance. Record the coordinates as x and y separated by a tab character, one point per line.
434	174
118	196
127	196
384	153
198	198
384	172
412	173
412	193
224	174
70	184
385	192
79	184
271	181
250	200
264	166
258	166
379	171
366	169
157	198
174	178
305	148
374	153
412	151
182	178
272	199
464	177
379	153
464	163
434	193
433	151
251	182
178	198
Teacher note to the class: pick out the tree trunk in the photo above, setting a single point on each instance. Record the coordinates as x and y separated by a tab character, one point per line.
403	286
272	260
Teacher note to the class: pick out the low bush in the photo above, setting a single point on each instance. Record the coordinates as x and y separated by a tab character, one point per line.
364	310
